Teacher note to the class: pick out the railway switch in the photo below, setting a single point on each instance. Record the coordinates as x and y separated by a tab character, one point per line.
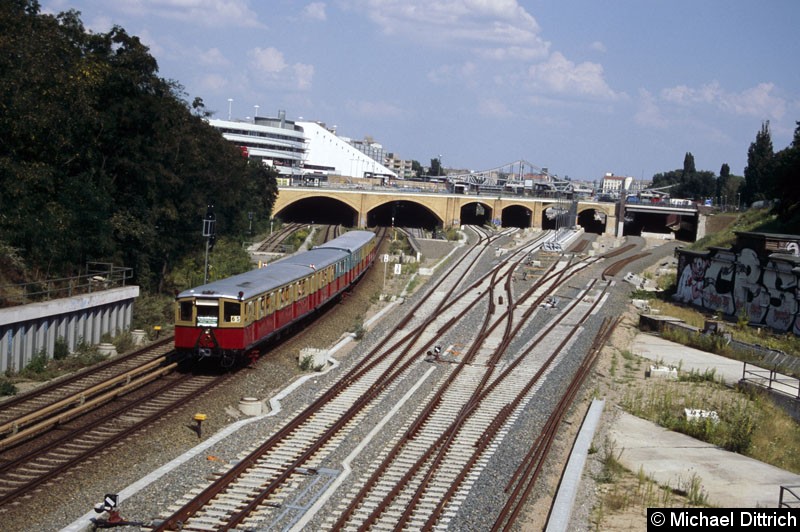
110	505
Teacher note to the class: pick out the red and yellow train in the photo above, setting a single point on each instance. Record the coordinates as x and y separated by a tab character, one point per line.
227	319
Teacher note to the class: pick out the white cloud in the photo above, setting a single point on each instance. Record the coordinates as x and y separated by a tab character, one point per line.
267	59
759	101
269	68
500	29
315	11
213	57
303	75
561	76
649	114
598	46
214	83
212	13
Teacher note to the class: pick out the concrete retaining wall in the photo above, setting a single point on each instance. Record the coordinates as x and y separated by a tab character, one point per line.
28	329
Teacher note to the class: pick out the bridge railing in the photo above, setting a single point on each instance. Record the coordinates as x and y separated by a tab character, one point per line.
98	276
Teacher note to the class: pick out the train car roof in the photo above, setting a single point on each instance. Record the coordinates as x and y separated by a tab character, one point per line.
283	271
349	241
272	276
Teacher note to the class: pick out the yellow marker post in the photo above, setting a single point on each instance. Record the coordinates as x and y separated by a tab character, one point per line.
199	418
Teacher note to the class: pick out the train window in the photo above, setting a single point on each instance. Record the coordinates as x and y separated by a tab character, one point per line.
285	296
262	307
207	313
232	312
185	310
271	303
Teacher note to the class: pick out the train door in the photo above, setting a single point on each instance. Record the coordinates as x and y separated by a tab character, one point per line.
271	311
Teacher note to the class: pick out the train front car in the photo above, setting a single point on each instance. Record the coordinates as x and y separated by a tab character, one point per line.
227	319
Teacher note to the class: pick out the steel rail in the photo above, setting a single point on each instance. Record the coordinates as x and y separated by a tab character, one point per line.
179	517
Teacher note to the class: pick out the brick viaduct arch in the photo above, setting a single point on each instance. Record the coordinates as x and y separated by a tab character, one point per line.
445	207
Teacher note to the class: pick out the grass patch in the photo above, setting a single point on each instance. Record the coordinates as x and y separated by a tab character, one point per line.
749	423
786	342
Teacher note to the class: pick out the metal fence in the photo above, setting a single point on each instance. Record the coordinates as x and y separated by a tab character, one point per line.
771	379
790	497
98	276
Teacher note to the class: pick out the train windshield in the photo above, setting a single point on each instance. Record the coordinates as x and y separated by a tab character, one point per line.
207	313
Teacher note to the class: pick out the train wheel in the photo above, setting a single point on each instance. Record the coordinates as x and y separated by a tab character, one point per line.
252	356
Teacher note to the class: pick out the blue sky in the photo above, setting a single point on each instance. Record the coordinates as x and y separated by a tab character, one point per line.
581	87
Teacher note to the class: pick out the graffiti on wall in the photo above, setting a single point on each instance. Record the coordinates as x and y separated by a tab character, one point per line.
765	291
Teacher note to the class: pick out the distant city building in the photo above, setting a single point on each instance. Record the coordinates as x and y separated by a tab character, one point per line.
368	147
614	185
402	167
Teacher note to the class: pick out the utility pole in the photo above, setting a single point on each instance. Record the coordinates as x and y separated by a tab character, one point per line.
209	231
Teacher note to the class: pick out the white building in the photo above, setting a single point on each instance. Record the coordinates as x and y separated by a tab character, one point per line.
275	141
614	184
326	152
299	148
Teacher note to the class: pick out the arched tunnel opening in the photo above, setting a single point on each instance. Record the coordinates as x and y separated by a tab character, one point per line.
475	214
403	214
516	216
593	221
319	210
557	217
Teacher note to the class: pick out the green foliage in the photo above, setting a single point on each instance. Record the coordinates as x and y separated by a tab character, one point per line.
150	310
60	349
37	365
7	387
226	259
759	170
307	363
358	329
123	342
296	239
787	179
102	159
742	422
750	220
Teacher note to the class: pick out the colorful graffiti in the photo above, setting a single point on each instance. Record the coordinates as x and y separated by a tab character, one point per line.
764	290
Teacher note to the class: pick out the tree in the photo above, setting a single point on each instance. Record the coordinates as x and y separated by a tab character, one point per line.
787	178
758	172
728	186
101	159
436	167
688	167
416	167
687	182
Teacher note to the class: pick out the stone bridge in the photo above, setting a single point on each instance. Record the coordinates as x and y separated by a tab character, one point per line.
362	208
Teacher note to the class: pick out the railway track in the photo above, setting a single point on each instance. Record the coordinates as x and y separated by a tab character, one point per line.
70	422
28	414
461	367
255	489
272	244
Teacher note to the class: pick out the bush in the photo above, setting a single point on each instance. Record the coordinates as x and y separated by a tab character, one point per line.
37	366
7	387
150	310
60	349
